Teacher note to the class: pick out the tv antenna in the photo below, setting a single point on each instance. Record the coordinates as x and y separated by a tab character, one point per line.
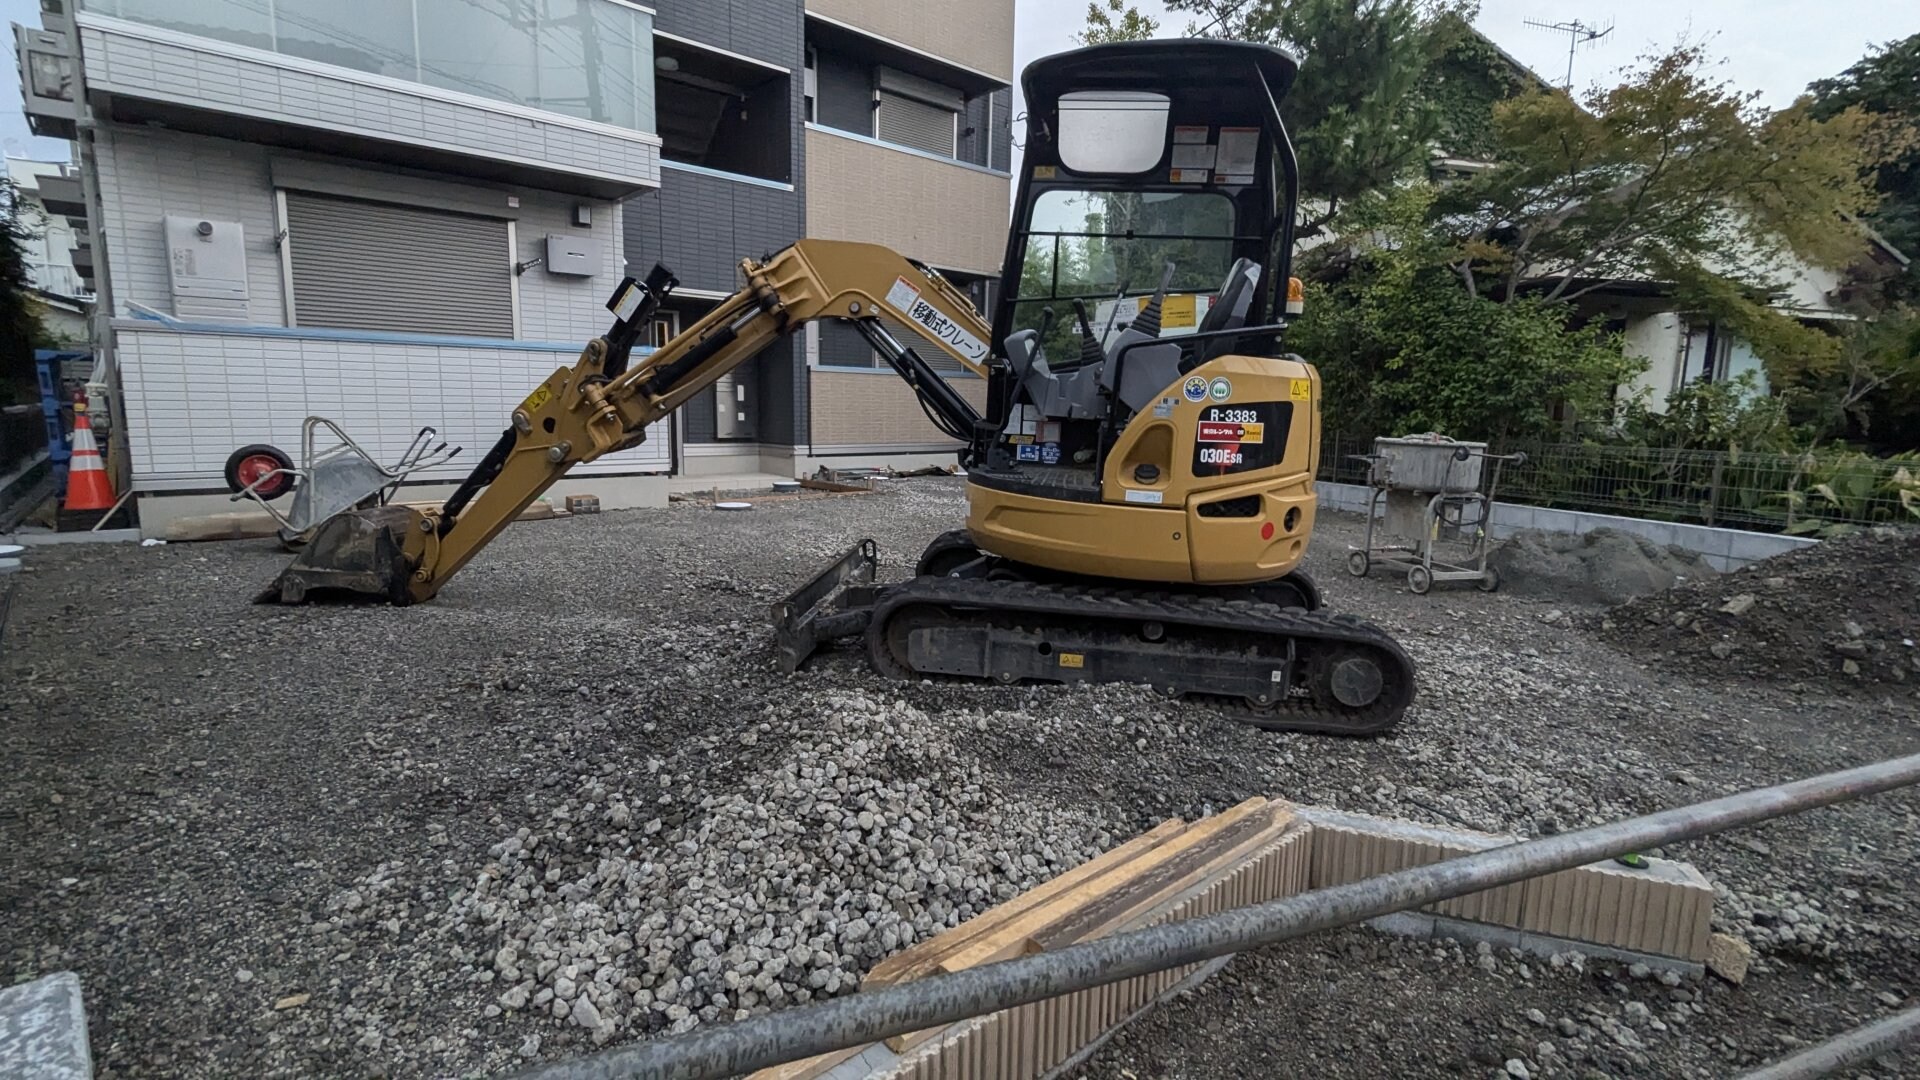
1578	34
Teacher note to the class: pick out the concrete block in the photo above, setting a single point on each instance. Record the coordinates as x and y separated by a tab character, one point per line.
43	1030
1663	909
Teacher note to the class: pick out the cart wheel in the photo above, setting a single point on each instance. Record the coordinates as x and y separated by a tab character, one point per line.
1358	563
249	463
1489	580
1419	579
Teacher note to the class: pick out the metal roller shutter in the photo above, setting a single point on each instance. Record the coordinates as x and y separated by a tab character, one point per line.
912	122
373	266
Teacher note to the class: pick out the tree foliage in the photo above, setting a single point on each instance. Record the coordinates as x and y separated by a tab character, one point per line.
1886	84
1115	20
1404	349
1671	172
20	328
1363	118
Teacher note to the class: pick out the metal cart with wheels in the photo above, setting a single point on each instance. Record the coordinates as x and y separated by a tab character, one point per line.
1429	515
330	479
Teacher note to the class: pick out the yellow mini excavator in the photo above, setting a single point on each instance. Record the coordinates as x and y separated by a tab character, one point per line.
1140	488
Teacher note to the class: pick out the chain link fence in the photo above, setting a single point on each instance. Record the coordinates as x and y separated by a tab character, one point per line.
1800	493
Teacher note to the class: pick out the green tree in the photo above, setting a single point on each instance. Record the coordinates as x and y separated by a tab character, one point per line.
1886	84
1672	176
1362	118
1404	349
20	329
1115	20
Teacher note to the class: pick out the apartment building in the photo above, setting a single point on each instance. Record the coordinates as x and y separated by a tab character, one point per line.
862	120
406	213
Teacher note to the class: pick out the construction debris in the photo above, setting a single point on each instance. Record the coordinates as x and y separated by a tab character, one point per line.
1845	611
1601	565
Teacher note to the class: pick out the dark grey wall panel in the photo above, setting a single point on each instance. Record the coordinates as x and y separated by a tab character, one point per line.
763	29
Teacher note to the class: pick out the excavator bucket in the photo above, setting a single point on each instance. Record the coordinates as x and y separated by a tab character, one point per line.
838	602
358	555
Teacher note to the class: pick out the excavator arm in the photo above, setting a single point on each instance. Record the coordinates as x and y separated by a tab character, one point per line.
600	404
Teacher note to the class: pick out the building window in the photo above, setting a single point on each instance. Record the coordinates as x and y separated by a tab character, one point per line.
812	82
357	265
722	112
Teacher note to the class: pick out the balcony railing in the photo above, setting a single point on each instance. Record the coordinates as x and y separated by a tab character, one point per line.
591	59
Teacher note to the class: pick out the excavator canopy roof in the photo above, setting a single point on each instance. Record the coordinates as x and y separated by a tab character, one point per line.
1191	70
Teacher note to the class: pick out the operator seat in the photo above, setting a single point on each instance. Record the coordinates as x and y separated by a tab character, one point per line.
1227	312
1074	395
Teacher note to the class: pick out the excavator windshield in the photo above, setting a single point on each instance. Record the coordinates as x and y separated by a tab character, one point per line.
1109	249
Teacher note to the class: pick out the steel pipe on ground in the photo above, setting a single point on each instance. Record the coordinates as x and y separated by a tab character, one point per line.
1860	1044
795	1033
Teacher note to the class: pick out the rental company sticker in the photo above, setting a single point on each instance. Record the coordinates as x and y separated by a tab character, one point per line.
1215	431
1153	497
1221	389
1195	389
1302	390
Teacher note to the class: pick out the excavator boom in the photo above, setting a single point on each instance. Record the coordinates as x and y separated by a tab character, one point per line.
602	403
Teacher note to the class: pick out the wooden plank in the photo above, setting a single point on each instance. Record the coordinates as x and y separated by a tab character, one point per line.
831	485
1010	938
923	958
1123	908
806	1068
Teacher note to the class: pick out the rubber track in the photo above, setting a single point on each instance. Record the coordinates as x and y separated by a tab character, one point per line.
1075	605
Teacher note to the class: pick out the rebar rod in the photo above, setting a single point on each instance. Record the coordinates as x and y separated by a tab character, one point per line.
1860	1044
791	1034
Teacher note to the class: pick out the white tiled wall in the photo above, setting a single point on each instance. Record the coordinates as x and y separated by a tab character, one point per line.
191	399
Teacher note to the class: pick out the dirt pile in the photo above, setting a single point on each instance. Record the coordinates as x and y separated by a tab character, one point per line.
1604	566
1846	611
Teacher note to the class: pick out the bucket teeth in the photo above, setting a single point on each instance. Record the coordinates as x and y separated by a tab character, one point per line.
359	555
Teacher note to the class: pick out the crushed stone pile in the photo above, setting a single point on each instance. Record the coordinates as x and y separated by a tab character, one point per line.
1603	566
1845	611
661	906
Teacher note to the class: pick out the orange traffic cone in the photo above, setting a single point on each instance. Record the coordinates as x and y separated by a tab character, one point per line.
87	485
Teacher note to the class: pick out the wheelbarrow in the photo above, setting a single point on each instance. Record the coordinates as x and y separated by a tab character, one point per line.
330	480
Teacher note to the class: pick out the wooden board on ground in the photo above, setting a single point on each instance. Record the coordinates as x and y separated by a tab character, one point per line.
832	485
923	958
1124	908
1144	876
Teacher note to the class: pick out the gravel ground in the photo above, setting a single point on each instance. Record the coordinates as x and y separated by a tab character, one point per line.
572	803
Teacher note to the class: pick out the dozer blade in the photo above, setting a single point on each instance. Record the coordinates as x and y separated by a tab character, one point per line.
837	603
358	555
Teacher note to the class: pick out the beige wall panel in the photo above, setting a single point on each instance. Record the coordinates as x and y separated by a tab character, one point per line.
950	216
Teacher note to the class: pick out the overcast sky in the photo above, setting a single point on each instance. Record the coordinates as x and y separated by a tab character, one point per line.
1774	46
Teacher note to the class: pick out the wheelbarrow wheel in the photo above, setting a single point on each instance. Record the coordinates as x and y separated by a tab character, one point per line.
249	463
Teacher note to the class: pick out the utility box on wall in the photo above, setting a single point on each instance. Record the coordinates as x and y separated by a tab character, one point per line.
207	267
734	415
572	256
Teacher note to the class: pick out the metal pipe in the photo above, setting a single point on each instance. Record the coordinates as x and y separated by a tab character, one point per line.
791	1034
1860	1044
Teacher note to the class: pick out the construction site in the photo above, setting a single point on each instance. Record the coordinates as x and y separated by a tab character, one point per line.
403	684
573	804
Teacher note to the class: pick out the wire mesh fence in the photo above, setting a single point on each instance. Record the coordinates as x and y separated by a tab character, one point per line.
1798	492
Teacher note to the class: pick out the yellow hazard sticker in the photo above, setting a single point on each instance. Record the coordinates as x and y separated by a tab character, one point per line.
1073	659
540	396
1302	390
